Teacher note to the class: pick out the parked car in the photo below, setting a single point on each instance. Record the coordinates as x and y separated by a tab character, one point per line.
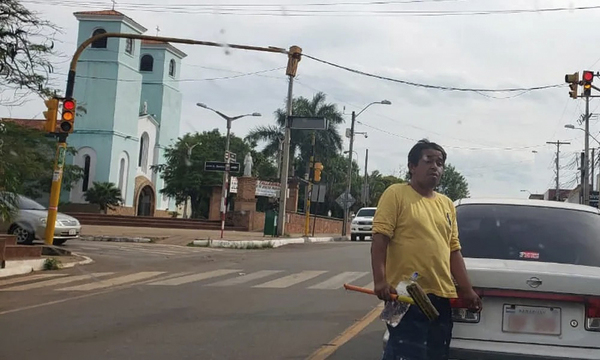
362	224
536	266
30	223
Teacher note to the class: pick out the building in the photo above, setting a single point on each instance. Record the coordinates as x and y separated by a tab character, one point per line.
130	92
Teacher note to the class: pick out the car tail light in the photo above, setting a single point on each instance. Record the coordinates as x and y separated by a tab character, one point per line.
461	312
592	314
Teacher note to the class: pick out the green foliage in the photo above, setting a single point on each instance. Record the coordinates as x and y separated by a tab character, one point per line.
27	162
52	264
378	183
453	184
104	194
184	173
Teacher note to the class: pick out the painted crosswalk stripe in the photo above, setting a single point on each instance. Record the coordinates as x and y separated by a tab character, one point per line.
150	251
338	281
195	277
113	282
54	282
28	278
246	278
290	280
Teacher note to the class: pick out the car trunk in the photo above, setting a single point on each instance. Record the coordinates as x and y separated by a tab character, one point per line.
533	302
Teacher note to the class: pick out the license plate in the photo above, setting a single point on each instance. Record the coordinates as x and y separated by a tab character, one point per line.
531	320
72	232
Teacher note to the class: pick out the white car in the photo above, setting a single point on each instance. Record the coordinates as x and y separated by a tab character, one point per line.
536	266
362	224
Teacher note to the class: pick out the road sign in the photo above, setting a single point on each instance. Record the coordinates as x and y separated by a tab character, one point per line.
594	198
341	200
308	123
318	193
221	166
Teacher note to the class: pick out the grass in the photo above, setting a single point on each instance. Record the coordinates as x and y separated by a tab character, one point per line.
52	264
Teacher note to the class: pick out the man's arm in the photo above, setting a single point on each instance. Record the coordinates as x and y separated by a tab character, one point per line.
379	246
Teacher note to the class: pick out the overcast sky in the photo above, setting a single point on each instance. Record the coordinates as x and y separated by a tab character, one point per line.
497	140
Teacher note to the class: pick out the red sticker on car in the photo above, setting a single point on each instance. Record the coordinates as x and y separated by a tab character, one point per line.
529	255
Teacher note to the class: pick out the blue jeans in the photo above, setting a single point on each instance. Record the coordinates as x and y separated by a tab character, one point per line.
417	338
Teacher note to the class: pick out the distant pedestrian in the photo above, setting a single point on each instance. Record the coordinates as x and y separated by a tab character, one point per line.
415	230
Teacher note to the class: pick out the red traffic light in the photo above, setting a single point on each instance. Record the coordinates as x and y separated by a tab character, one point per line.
588	76
69	104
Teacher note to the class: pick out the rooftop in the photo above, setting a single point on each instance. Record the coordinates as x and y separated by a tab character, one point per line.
110	14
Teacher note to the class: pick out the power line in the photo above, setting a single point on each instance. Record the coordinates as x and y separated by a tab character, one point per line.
429	86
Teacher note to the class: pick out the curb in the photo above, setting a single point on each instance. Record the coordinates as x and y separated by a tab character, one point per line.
22	267
116	239
245	244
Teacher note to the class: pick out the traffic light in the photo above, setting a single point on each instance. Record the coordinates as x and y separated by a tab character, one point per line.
573	81
588	77
318	169
51	114
68	116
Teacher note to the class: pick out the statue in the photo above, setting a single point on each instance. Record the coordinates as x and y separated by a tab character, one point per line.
145	108
248	165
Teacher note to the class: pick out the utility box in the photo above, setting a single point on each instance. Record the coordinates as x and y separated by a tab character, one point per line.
270	223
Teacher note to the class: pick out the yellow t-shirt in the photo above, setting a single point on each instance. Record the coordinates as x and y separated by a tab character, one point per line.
423	233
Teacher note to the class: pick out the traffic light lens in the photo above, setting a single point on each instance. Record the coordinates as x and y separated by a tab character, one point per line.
65	126
588	76
69	105
68	116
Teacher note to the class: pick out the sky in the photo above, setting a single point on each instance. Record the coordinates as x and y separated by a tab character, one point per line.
497	140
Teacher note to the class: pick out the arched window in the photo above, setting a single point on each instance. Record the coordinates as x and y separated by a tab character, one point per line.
129	46
172	67
147	63
86	172
122	176
102	43
143	158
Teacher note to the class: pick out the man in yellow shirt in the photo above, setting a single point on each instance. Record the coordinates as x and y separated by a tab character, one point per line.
415	230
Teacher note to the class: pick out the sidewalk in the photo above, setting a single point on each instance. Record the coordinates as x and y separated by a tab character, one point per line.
187	236
26	266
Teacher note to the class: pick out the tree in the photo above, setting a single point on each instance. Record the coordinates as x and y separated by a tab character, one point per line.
104	194
378	183
184	173
25	49
453	184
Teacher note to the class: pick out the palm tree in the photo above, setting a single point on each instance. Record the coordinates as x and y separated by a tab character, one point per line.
105	195
329	142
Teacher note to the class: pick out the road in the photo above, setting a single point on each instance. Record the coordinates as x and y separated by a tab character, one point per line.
149	301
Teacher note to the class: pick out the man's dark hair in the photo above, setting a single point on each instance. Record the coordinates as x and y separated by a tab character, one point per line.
415	154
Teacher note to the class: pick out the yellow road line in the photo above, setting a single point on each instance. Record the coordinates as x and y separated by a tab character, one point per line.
328	349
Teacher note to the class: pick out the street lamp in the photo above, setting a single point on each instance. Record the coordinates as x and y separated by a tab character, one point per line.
571	126
349	176
227	157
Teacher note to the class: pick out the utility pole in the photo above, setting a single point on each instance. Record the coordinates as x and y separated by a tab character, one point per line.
558	143
349	176
366	185
592	171
294	56
586	164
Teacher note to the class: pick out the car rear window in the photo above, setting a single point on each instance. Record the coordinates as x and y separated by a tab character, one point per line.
529	233
366	213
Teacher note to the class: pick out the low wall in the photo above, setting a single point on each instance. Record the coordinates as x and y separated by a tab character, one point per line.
255	221
95	209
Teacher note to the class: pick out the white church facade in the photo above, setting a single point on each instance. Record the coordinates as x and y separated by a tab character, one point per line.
130	92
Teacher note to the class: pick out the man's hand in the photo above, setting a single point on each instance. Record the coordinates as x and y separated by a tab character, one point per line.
471	298
384	290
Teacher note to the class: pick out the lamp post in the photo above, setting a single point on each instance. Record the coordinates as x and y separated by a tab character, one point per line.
585	181
349	176
227	158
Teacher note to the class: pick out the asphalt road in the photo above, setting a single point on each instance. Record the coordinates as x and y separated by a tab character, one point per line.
284	303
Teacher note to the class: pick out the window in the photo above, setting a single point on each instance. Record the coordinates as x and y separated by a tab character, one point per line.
86	172
102	43
366	213
172	67
143	157
129	46
25	203
122	176
529	233
147	63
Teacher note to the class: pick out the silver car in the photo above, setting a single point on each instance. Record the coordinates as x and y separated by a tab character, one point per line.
30	224
536	266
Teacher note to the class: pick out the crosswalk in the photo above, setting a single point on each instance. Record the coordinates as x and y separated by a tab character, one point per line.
139	249
259	279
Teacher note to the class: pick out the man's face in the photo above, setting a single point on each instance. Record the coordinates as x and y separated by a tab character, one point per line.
430	168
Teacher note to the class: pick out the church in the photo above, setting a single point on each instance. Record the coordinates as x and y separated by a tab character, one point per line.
130	92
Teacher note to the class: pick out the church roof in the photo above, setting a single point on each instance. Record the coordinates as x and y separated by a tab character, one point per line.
30	123
99	14
157	43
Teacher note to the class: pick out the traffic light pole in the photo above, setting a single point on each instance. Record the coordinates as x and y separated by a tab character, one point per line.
309	186
59	162
349	176
586	178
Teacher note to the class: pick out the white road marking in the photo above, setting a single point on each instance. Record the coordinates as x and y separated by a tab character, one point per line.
290	280
59	281
339	280
113	282
28	278
195	277
246	278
